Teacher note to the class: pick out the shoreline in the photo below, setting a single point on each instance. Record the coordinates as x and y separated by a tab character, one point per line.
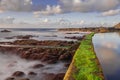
51	53
73	68
47	55
92	29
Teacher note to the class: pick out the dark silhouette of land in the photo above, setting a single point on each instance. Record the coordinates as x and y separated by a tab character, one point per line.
100	29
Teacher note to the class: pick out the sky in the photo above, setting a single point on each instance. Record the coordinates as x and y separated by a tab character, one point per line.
58	13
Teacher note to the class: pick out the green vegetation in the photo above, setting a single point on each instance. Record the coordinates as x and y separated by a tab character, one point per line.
86	63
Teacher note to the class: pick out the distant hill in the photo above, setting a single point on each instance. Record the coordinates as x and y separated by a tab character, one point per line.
117	26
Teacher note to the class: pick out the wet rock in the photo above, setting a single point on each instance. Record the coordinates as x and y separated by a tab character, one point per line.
25	79
50	58
49	76
59	76
38	66
52	76
32	73
18	74
48	55
5	30
10	78
53	61
25	55
24	37
8	37
65	56
67	64
74	37
26	42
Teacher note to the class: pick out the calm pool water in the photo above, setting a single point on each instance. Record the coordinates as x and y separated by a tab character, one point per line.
107	48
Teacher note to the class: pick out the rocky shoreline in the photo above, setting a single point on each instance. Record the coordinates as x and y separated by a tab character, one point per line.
44	55
92	29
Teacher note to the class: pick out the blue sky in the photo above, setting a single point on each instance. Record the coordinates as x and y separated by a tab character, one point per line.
59	13
45	2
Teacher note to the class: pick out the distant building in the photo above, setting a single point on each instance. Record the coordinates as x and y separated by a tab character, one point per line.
117	26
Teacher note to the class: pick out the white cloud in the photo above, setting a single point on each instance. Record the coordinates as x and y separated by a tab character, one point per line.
50	10
82	22
78	23
46	20
64	6
7	20
63	21
111	12
1	10
15	5
89	5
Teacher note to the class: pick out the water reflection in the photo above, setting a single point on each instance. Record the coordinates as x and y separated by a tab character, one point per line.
107	49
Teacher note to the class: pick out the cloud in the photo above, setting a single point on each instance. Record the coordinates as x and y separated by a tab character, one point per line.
15	5
89	5
62	6
111	12
82	22
46	20
50	10
63	21
78	23
7	20
1	10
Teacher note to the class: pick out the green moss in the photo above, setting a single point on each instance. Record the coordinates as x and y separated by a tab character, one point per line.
85	62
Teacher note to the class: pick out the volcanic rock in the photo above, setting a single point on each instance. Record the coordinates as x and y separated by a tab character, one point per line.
67	64
38	66
59	76
5	30
52	76
32	73
25	79
18	74
10	78
49	76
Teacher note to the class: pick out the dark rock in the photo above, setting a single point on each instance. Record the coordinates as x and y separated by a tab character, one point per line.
8	37
24	37
25	55
38	66
18	74
65	56
53	61
59	76
32	73
10	78
49	76
5	30
67	64
25	79
74	37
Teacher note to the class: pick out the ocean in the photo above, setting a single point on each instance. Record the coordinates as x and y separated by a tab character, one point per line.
39	33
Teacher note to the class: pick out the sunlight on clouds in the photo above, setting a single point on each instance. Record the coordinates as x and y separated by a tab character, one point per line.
16	5
110	45
111	12
107	57
46	20
50	10
89	5
7	20
80	13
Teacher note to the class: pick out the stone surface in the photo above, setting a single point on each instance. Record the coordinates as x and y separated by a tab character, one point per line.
37	66
18	74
